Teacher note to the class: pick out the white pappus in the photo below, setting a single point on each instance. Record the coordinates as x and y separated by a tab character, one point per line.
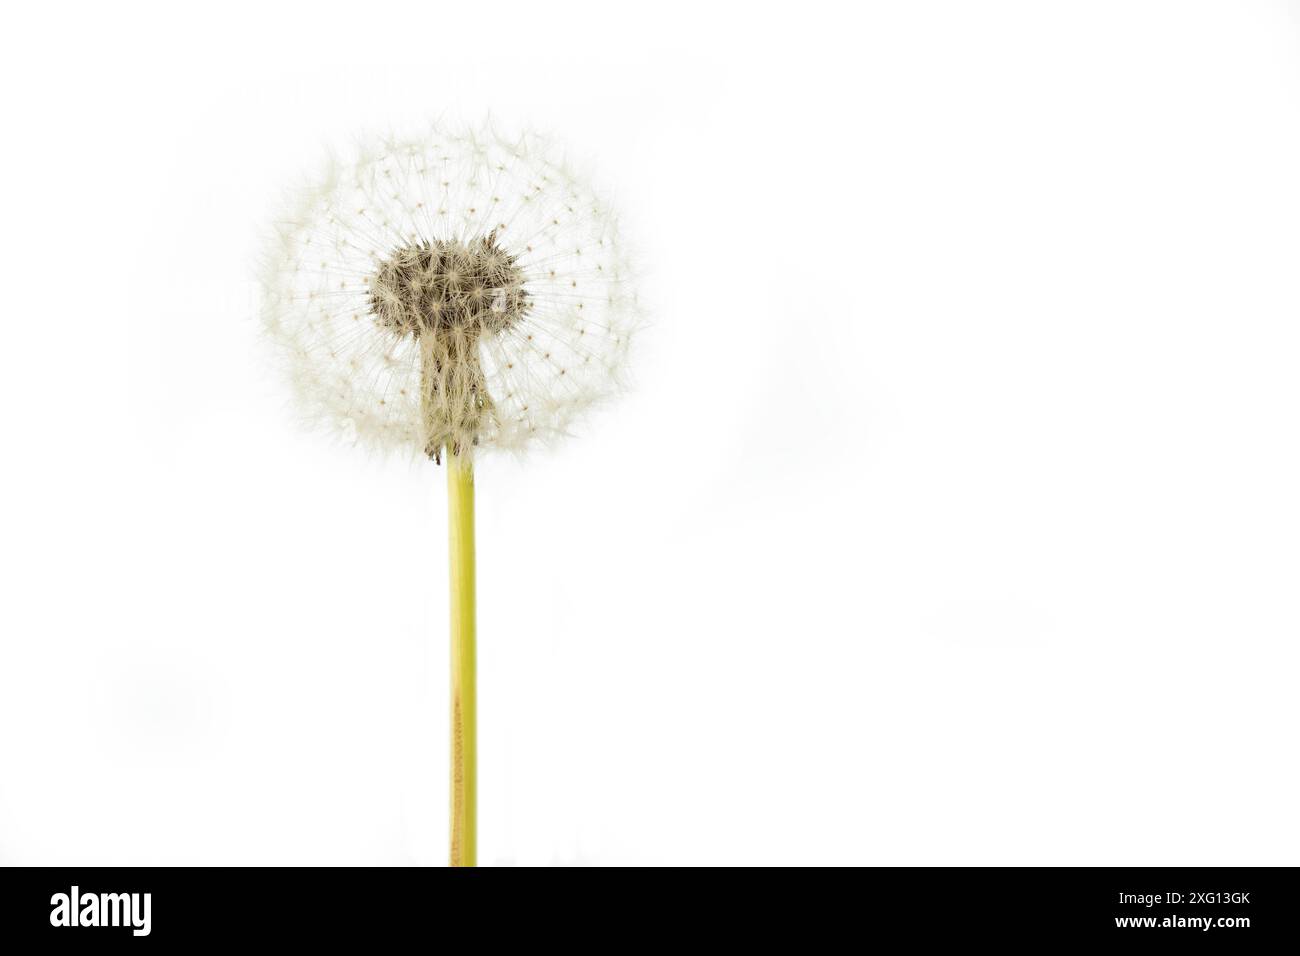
450	291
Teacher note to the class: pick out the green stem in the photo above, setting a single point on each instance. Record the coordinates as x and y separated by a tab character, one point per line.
464	724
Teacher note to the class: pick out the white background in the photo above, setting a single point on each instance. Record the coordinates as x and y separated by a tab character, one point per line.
954	517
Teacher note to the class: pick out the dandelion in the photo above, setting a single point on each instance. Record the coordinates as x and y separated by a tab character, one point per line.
443	295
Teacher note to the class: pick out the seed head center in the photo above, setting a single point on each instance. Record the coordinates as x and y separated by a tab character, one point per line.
445	287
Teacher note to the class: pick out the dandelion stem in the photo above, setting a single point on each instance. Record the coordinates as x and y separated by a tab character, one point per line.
464	727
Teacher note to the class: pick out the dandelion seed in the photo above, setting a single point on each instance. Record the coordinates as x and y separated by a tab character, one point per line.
458	308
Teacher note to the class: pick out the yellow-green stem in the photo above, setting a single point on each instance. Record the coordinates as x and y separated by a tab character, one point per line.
464	726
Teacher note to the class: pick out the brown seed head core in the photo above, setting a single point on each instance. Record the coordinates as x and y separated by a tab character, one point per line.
433	287
447	294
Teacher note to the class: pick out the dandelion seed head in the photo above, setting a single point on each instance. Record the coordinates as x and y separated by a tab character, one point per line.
451	291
